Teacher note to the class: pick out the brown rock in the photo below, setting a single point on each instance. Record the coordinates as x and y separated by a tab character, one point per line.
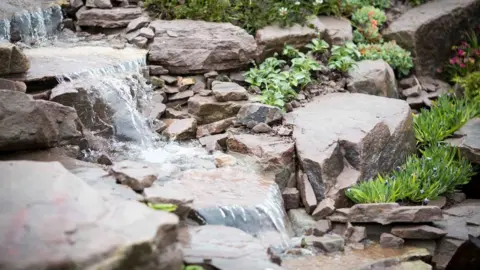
413	91
338	30
175	114
13	59
468	138
327	243
307	194
373	77
390	241
12	85
136	24
133	174
228	91
325	208
180	129
261	128
157	194
157	70
291	198
355	234
181	95
320	228
208	110
215	127
301	221
418	232
256	113
107	18
386	213
223	160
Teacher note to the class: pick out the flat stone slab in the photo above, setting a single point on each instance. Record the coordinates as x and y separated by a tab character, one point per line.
58	62
468	140
386	213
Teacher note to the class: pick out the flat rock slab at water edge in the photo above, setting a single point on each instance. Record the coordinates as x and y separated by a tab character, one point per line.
51	62
51	218
430	30
460	220
386	213
342	138
186	46
224	248
107	18
234	197
371	258
30	124
468	140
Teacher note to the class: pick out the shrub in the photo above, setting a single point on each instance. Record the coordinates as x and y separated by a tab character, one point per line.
397	57
439	171
366	14
471	86
368	20
343	57
466	58
318	46
445	117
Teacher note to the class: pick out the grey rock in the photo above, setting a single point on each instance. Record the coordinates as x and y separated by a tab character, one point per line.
259	113
370	135
261	128
320	228
208	110
413	91
386	213
12	85
457	197
306	193
214	142
418	232
291	198
325	208
210	74
175	114
373	77
215	127
301	221
180	129
99	4
171	80
227	91
107	18
147	33
390	241
133	174
138	23
140	42
157	194
13	59
156	70
30	124
338	30
438	21
355	234
327	243
198	47
468	140
181	95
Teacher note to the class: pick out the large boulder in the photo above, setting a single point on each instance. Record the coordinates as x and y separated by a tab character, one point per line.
13	59
50	217
468	140
373	77
343	138
28	123
429	31
107	18
186	46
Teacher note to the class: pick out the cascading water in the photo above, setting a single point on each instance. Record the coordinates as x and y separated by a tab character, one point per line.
32	26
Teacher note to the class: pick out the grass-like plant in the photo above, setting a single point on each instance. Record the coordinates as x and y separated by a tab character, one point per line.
439	170
168	207
445	117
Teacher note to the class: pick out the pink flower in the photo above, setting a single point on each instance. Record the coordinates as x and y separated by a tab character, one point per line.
465	44
461	52
462	65
452	61
439	70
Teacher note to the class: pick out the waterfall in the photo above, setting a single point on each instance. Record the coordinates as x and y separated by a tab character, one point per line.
32	26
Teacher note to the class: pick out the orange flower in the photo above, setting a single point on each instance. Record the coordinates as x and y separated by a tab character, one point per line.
374	23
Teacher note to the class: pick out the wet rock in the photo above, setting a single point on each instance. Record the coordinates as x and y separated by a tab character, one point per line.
30	124
418	232
99	4
284	131
306	193
338	30
157	108
215	127
273	38
390	241
327	243
157	194
140	42
301	221
355	234
175	114
468	140
214	142
460	221
417	27
259	113
228	91
12	85
210	74
13	59
181	95
156	81
208	110
133	174
325	208
104	159
261	128
199	47
170	80
107	18
373	77
225	247
291	198
138	23
180	129
320	228
276	156
58	207
370	134
157	70
223	160
76	4
386	213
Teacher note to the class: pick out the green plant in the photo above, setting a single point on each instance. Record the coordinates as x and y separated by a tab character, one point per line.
192	267
343	57
438	171
318	46
467	57
397	57
163	206
291	52
445	117
368	20
416	2
471	86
